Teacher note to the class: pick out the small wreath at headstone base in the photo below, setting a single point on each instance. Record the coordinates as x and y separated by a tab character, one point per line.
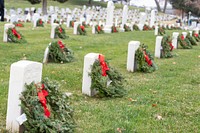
84	24
196	36
167	47
60	32
161	31
106	81
144	60
81	30
40	23
135	27
71	24
126	28
15	36
18	24
146	28
56	21
99	29
114	29
191	39
59	53
184	42
47	109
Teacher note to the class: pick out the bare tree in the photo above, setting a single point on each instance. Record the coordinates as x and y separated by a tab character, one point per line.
158	6
44	7
165	6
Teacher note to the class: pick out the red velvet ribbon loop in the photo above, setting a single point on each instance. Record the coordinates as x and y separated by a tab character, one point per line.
148	60
42	94
60	29
196	35
82	28
172	47
62	46
15	33
99	28
182	37
104	66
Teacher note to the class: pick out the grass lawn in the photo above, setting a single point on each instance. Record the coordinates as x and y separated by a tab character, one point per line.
171	92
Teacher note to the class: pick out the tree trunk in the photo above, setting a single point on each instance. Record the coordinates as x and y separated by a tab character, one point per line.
165	6
44	7
158	5
90	1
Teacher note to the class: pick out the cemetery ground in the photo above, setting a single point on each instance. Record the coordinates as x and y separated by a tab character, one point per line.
166	100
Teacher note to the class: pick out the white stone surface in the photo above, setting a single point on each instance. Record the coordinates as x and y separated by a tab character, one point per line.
46	54
142	20
21	73
53	17
93	28
109	17
89	60
69	18
156	31
132	47
6	27
124	17
53	28
75	28
175	39
35	18
184	34
152	21
158	47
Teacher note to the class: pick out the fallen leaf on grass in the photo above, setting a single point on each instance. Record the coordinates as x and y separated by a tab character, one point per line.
132	100
154	105
174	63
199	56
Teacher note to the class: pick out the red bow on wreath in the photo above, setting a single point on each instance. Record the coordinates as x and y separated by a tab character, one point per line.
62	46
172	47
196	35
99	28
60	29
148	60
104	66
15	33
40	21
115	29
82	28
182	37
42	98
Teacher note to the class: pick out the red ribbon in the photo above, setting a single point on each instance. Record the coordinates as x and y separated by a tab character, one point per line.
15	33
40	21
60	29
99	28
104	66
172	47
182	37
82	28
62	46
42	98
72	24
196	35
148	60
115	29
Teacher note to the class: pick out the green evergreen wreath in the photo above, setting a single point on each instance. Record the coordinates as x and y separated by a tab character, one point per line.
126	28
99	29
84	24
81	30
61	114
166	47
184	42
191	39
15	36
100	83
135	27
40	23
71	23
114	29
146	28
144	60
196	36
161	31
59	53
60	32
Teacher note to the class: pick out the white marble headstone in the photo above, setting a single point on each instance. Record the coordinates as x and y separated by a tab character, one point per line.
21	73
